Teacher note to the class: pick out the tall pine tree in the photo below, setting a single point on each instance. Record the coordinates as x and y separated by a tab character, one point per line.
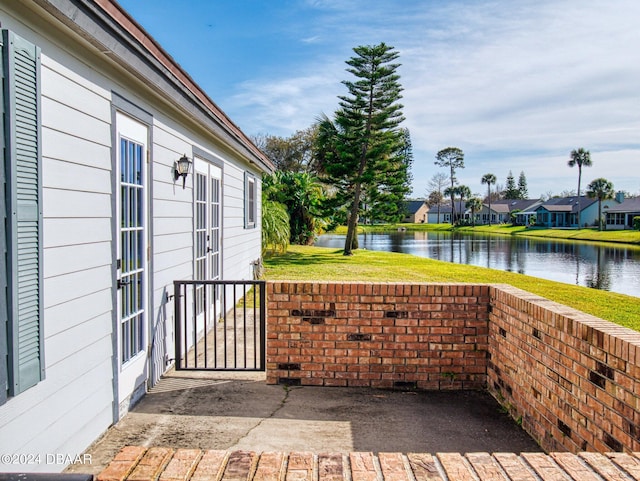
362	150
522	186
511	191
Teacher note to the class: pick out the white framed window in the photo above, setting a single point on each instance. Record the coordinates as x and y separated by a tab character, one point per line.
250	201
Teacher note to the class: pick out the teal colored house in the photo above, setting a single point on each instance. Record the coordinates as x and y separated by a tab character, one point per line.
563	212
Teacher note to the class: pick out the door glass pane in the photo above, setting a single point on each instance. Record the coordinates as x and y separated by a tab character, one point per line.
132	249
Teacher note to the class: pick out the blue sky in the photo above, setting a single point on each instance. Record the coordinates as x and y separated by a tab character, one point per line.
516	84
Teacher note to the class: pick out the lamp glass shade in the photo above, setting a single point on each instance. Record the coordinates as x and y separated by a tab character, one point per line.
183	165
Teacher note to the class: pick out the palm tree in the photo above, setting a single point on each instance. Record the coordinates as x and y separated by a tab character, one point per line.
275	226
451	192
600	189
464	192
489	179
475	204
580	158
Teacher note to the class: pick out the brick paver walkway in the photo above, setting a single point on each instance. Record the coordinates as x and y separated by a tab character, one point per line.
135	463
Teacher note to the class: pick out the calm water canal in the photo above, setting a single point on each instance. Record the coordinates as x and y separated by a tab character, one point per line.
610	267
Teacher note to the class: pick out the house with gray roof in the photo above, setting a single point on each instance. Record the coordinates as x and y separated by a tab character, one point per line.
501	210
563	212
416	211
621	216
121	175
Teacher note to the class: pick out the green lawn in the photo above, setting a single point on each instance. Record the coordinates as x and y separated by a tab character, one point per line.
324	264
621	236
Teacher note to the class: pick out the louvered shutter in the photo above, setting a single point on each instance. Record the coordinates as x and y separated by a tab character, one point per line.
24	212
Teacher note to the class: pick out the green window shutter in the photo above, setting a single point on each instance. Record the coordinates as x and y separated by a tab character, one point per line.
24	212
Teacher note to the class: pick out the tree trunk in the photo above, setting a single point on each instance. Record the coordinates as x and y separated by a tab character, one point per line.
579	179
352	223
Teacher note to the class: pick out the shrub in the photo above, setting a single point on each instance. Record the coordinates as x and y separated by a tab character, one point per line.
636	222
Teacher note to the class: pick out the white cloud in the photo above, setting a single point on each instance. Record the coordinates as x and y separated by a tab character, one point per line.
517	85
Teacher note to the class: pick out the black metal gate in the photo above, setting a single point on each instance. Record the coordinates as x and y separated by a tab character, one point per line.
220	325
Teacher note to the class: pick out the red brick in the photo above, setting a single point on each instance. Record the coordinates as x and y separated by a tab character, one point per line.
363	467
544	467
182	465
270	467
455	467
330	467
240	465
151	464
423	467
122	464
486	467
300	467
514	467
211	466
393	468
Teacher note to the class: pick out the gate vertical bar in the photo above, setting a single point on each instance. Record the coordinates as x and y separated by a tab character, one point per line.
263	324
244	321
206	290
195	325
176	323
215	326
235	328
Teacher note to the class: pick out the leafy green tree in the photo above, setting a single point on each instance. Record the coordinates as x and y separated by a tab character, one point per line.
451	158
303	197
489	179
511	191
600	189
522	186
363	148
275	226
581	158
294	153
475	204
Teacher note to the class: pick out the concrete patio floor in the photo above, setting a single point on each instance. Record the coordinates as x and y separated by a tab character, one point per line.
239	412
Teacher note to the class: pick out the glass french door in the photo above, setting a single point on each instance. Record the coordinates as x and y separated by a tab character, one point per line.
131	251
207	205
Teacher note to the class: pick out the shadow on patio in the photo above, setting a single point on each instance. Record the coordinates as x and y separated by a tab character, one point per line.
240	412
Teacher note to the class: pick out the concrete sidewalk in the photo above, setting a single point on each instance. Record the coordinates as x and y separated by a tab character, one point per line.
239	412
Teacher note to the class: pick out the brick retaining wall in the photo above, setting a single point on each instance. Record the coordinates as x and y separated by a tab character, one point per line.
573	380
377	335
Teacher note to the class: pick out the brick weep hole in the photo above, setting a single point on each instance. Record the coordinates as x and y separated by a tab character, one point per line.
570	378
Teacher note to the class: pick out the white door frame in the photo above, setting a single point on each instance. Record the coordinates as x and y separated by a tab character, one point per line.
207	193
132	241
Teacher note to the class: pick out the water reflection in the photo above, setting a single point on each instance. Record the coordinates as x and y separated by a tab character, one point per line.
600	266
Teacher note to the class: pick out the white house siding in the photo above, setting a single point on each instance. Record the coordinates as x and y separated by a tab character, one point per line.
73	404
77	401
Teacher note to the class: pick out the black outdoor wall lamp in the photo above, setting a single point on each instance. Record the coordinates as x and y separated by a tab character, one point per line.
182	168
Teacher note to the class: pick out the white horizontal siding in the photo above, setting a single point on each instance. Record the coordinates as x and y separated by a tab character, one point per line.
18	414
74	93
64	146
67	287
68	176
68	411
64	344
73	405
77	269
83	308
172	242
68	232
56	116
72	203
